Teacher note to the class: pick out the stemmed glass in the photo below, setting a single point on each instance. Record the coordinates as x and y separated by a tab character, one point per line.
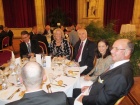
4	82
18	73
12	67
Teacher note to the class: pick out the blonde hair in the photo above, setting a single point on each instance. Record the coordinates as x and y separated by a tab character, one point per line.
58	29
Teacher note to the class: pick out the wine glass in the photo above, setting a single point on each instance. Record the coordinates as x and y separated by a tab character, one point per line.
4	82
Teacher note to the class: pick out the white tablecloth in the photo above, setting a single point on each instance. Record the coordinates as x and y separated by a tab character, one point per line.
70	81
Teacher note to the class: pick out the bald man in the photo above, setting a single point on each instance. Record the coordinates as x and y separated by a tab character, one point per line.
86	57
115	82
32	75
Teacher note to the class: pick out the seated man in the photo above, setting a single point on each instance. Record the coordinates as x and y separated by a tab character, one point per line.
84	51
32	75
116	81
28	47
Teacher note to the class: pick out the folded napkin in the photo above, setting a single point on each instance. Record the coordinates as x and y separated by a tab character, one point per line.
38	58
48	61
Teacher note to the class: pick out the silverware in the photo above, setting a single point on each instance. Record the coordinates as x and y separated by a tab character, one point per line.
49	88
57	85
13	94
69	76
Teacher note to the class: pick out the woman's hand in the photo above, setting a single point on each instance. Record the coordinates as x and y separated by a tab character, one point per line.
87	78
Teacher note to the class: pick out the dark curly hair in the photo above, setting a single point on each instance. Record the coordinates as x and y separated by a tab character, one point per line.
98	54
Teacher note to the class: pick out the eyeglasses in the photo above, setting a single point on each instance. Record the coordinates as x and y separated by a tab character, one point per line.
116	49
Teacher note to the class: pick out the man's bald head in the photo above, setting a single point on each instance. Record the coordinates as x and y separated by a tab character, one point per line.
122	50
32	74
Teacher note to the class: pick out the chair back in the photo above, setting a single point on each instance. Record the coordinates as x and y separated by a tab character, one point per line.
43	45
5	55
41	49
71	55
20	40
5	42
119	101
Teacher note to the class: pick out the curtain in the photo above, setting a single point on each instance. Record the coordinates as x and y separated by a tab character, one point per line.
19	13
119	11
68	7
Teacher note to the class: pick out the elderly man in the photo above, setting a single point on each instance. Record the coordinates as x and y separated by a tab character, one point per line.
28	47
33	74
116	81
84	51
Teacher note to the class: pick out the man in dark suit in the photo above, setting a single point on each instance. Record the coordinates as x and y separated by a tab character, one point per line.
41	38
10	34
33	75
33	32
28	47
48	31
116	81
2	35
86	57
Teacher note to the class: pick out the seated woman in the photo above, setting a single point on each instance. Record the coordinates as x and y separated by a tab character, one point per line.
59	46
104	60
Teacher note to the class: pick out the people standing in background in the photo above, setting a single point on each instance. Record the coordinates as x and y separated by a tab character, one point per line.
10	34
2	35
84	51
103	62
33	32
73	35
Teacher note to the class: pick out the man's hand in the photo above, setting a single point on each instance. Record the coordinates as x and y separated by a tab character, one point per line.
80	98
31	54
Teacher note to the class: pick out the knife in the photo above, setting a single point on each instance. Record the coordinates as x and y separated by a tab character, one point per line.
13	94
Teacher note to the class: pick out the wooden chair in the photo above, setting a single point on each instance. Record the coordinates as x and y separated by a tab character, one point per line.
41	49
71	55
20	40
43	45
94	61
119	101
5	42
5	55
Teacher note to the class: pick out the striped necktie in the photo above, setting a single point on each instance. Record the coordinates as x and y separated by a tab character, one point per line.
29	47
79	52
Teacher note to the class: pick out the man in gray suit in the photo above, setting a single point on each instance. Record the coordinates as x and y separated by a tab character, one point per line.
33	75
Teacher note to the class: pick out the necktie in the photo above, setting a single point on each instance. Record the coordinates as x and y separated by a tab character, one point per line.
79	52
29	47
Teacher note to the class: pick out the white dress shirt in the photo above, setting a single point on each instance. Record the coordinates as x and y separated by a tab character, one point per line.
116	64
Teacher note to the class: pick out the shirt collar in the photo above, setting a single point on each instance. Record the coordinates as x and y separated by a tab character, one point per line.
116	64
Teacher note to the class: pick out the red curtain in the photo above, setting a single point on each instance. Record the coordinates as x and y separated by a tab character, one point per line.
69	7
19	13
120	11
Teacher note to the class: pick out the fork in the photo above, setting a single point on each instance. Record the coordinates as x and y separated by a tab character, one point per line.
49	88
13	94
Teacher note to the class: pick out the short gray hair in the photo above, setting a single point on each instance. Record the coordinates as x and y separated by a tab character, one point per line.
130	46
